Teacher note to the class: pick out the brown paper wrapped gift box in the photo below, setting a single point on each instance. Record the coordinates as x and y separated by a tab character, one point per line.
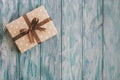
23	43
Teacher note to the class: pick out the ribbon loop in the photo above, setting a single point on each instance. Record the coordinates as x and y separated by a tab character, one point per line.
34	23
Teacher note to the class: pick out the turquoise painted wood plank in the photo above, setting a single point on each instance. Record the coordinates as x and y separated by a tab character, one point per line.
30	60
111	40
71	39
51	49
92	39
9	64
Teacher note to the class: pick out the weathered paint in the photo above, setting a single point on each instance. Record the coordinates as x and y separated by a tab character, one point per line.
71	39
92	40
87	46
9	66
111	40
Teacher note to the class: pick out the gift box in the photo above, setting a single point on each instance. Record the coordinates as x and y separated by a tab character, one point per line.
31	29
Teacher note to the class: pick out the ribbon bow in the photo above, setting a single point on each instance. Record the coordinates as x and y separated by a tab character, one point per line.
33	25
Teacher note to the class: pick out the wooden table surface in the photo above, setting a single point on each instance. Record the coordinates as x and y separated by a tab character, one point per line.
87	46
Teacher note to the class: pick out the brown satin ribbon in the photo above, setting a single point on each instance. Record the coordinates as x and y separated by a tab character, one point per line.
33	25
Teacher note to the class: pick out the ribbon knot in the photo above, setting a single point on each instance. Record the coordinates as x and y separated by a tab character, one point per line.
33	25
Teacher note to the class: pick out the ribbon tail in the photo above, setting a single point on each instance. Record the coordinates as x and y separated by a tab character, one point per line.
31	37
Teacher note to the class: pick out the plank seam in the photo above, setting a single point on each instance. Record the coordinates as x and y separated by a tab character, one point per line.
18	53
61	39
102	38
82	41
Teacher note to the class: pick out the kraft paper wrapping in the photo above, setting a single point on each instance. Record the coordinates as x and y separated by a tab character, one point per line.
15	26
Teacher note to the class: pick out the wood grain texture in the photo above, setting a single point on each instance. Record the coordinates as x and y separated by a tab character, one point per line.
86	38
51	49
92	39
9	64
111	40
71	39
30	60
